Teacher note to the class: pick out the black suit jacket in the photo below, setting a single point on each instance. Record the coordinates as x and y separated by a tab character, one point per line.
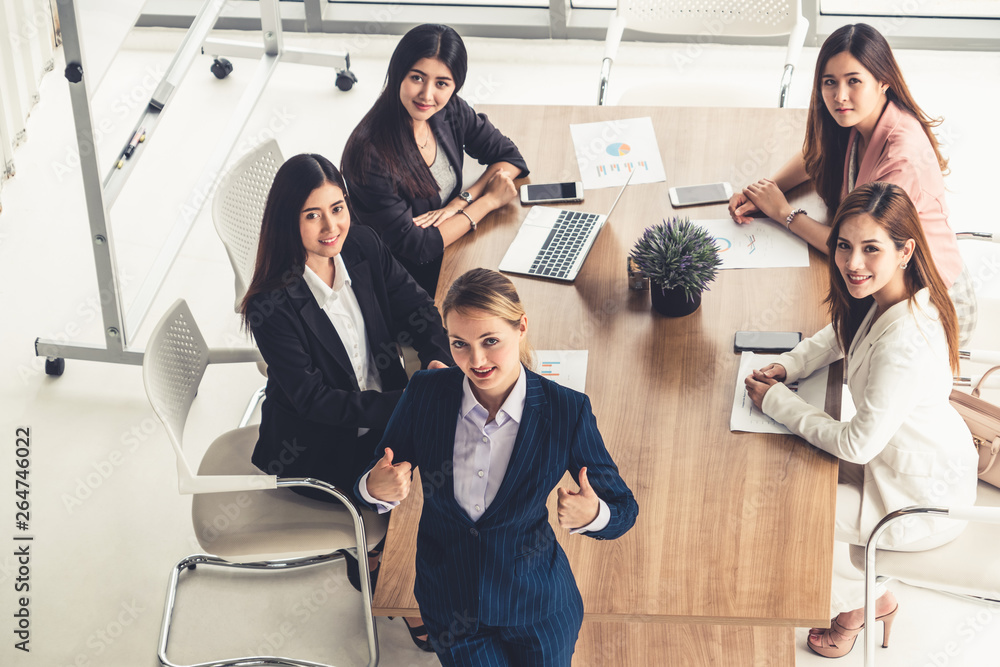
314	406
378	202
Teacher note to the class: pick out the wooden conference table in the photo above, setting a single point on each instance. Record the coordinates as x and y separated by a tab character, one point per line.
733	545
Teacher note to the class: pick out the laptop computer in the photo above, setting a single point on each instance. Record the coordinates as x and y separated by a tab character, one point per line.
554	242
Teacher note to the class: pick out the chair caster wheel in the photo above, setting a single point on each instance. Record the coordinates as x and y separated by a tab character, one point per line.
55	367
346	79
221	68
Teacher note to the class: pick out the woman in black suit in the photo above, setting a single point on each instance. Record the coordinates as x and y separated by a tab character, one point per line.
404	159
327	306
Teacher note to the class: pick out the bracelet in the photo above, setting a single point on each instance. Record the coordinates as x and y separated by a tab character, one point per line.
471	221
791	216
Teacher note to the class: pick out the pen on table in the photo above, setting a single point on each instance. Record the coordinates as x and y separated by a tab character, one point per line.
137	138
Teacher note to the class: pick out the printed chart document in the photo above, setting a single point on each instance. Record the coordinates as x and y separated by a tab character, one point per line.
746	417
757	245
608	151
567	367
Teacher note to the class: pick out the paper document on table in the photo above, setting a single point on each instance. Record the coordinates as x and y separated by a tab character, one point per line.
608	151
567	367
760	244
748	418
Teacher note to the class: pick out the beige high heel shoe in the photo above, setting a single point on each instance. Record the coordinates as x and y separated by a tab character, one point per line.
828	649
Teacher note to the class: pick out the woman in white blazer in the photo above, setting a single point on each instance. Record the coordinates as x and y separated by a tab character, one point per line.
905	445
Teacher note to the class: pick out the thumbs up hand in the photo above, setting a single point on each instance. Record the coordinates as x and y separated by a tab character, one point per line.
388	481
577	509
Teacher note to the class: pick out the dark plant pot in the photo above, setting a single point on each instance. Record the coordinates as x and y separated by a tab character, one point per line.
672	302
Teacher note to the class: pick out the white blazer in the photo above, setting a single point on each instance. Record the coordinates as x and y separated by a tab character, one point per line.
915	448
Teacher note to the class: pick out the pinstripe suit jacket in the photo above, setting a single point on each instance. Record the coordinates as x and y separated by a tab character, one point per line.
507	568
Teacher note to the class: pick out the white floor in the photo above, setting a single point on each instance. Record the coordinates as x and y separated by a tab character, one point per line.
107	519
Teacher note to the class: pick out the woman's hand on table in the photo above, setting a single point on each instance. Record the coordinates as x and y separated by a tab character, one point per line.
758	382
437	216
776	371
390	482
500	190
768	198
577	509
741	209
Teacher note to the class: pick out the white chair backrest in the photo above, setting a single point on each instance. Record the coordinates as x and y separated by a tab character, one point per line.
172	367
238	209
711	17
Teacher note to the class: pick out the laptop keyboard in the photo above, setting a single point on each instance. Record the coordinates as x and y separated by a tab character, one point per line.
563	245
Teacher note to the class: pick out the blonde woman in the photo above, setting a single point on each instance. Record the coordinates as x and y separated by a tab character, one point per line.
491	439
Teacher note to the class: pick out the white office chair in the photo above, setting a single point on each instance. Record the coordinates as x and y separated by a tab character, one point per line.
707	18
275	521
237	211
966	566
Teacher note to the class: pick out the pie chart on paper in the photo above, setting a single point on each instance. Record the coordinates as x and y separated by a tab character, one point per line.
618	149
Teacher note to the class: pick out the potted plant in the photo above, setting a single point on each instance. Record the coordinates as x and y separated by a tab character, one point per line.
680	259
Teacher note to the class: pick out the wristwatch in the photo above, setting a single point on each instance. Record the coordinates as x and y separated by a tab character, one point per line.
467	197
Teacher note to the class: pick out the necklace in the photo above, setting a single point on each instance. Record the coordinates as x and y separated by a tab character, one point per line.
426	141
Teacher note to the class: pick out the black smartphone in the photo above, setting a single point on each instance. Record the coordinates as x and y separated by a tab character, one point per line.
766	341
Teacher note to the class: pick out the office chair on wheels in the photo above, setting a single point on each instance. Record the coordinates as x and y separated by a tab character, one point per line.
237	211
272	519
700	18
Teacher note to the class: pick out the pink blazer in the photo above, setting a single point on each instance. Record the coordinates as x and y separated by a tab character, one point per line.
900	153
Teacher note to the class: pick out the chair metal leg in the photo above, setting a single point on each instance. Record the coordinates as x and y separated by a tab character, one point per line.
257	397
602	95
207	560
786	83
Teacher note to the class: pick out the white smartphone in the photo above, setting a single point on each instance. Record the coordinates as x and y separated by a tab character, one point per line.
693	195
551	193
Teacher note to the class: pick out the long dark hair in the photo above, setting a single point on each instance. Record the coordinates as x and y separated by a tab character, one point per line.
386	131
825	145
891	208
281	256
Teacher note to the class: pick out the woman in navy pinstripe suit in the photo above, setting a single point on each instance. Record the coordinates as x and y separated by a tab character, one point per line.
491	440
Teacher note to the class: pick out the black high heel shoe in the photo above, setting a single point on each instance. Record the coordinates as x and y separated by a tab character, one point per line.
353	574
415	632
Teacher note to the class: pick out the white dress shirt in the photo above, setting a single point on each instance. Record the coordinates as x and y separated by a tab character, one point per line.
482	453
341	306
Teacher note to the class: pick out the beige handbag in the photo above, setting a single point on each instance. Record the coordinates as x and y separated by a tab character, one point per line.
983	419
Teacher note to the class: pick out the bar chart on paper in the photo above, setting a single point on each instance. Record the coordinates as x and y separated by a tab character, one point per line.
567	367
608	152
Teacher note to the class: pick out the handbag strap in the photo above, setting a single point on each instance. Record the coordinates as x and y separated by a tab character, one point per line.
975	391
994	450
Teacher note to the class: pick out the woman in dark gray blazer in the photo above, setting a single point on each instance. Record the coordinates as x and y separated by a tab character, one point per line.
403	162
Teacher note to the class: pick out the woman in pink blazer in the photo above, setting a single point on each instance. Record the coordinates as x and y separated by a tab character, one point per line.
864	126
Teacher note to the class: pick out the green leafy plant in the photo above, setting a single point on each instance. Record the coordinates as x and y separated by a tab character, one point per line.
678	254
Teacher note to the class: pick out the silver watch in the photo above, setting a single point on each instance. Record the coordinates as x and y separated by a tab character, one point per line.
467	197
